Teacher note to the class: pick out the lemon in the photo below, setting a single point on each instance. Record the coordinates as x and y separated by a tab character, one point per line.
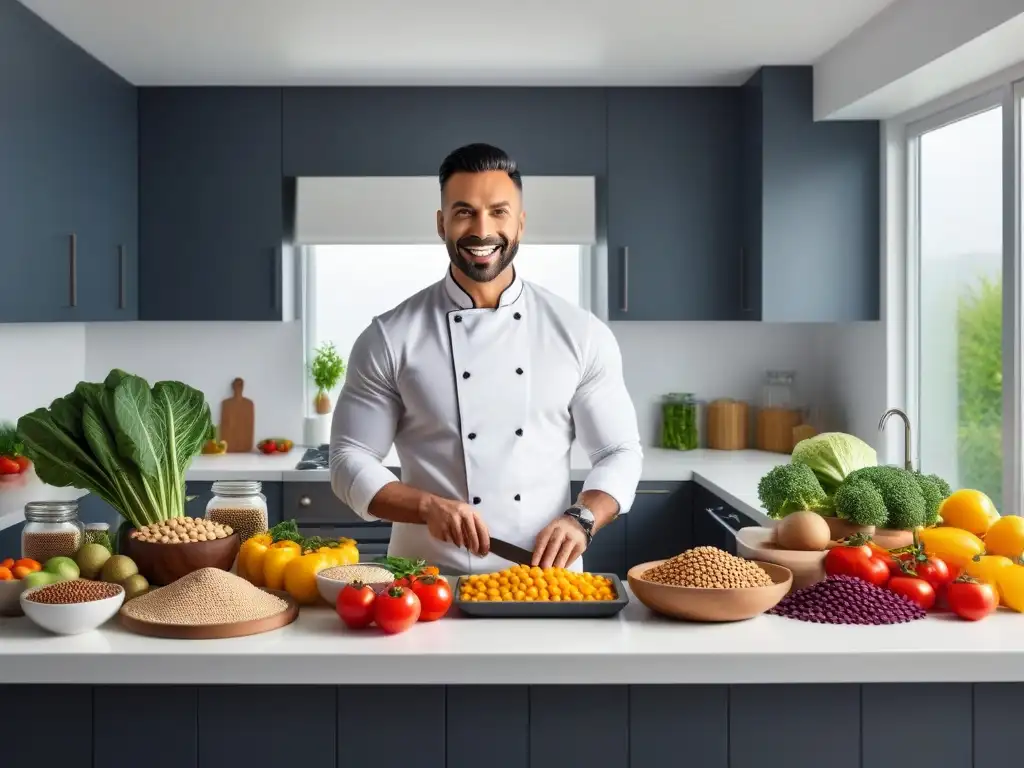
1006	537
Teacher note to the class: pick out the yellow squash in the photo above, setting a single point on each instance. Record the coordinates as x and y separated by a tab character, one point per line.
954	546
1011	587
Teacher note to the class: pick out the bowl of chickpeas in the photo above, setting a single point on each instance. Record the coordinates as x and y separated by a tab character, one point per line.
166	551
533	592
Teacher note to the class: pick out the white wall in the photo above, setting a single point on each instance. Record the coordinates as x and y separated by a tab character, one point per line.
38	363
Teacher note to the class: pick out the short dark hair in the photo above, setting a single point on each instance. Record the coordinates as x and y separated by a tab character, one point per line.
477	158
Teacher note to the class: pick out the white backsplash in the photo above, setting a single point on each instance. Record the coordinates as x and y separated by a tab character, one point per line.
840	369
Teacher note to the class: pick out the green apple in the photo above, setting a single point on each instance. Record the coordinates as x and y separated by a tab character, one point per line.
40	579
64	568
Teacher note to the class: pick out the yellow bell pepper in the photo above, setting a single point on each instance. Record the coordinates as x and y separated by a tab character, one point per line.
1011	587
987	569
287	544
274	563
300	576
250	558
954	546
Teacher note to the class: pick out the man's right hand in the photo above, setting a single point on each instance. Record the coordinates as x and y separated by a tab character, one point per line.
457	523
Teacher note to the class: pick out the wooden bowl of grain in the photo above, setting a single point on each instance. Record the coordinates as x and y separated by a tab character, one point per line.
710	604
163	564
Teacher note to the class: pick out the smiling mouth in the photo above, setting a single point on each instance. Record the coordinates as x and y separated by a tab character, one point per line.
482	254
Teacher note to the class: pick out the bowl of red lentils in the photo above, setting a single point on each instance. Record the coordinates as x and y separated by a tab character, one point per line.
72	607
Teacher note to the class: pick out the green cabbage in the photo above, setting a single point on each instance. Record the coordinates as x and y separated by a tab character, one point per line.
832	456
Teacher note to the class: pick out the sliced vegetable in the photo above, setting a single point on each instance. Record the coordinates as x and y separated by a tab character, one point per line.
971	599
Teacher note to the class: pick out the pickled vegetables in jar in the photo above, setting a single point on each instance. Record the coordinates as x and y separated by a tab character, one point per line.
679	422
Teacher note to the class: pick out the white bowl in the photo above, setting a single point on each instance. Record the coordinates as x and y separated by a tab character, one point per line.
73	618
10	592
329	588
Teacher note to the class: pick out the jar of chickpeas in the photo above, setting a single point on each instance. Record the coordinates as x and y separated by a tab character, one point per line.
241	505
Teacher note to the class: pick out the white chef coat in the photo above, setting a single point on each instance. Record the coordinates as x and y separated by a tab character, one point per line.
482	405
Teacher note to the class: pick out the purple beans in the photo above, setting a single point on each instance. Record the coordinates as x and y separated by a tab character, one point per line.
847	600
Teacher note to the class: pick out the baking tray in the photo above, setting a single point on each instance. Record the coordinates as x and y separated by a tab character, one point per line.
536	609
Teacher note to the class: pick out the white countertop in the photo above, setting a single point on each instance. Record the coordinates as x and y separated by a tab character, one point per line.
636	647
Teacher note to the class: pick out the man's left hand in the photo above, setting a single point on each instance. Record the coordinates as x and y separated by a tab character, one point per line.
560	544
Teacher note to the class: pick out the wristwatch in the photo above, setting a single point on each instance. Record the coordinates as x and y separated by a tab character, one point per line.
585	518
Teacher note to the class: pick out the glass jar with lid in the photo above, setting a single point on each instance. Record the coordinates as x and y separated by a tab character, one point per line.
52	529
240	504
780	412
679	422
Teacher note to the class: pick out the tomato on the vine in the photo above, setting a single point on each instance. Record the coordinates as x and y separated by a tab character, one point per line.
435	596
396	610
971	599
914	589
853	558
355	605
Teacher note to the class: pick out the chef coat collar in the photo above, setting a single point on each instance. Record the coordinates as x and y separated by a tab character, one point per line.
463	300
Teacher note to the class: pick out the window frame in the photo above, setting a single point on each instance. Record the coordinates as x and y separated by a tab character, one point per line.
1006	94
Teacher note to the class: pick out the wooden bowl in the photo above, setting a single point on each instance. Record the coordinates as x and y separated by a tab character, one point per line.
840	529
892	538
696	604
162	564
755	543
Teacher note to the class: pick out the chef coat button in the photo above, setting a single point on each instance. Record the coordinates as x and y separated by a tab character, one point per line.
476	499
465	374
517	316
519	432
472	435
458	318
518	497
519	371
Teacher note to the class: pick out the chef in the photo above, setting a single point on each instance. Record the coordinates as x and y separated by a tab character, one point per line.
481	382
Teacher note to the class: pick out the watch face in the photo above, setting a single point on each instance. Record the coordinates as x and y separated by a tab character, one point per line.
585	514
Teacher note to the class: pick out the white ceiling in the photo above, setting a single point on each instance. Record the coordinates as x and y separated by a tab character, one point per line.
447	42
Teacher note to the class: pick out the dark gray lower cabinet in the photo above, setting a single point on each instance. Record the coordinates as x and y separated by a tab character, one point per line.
591	726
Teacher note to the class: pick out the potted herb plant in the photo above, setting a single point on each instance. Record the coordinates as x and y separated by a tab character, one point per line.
326	371
123	441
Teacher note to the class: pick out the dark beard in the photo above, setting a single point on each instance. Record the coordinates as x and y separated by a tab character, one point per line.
482	273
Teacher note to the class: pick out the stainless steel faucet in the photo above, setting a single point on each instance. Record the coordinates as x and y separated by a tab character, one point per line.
907	460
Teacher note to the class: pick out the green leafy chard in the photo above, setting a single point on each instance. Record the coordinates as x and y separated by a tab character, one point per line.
128	444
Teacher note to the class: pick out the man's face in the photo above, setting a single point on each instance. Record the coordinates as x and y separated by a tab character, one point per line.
481	222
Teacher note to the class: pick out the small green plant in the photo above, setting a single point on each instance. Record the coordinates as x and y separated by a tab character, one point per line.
326	370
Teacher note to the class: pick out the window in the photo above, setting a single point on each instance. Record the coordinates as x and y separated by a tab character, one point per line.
347	285
958	231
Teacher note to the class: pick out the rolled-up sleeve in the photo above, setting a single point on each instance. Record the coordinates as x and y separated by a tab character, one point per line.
605	420
364	424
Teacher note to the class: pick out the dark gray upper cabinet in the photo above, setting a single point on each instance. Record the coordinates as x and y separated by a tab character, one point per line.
211	210
68	187
673	194
811	193
409	131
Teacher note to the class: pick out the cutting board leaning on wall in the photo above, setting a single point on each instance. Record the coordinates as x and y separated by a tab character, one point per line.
237	420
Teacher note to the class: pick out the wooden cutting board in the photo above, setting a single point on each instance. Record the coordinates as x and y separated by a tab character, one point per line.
237	420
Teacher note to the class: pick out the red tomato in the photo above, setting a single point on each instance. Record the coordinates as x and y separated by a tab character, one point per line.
355	605
23	462
970	599
857	560
435	596
915	589
9	466
396	610
934	571
874	571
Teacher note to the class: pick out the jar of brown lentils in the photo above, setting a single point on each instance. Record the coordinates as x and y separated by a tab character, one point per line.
52	529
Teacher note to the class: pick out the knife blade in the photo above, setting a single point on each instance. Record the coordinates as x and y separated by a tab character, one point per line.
511	552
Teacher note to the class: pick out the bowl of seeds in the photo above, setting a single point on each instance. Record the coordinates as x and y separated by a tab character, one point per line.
72	607
331	581
709	584
166	551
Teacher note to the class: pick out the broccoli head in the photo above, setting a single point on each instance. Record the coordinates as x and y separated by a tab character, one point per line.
935	490
904	504
790	488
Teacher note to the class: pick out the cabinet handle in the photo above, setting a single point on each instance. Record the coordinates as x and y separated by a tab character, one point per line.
121	301
305	501
625	279
275	278
653	491
73	260
743	281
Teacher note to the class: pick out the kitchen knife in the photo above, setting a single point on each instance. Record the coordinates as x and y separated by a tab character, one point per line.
511	552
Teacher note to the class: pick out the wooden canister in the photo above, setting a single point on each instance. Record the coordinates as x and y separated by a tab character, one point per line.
775	429
728	426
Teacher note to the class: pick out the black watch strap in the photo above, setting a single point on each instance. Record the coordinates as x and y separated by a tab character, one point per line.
586	525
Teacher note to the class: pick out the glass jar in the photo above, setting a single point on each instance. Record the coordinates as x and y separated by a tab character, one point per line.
780	413
679	422
240	504
779	390
52	529
97	533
